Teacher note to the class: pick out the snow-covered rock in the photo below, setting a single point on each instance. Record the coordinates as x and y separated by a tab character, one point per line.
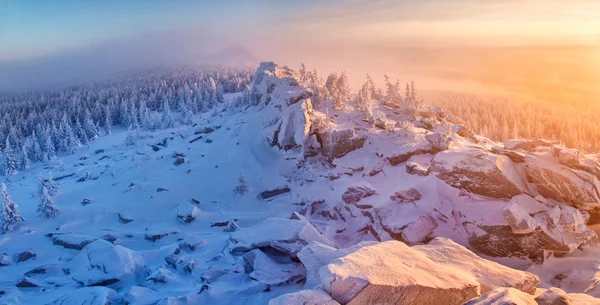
490	275
287	119
504	296
316	255
266	270
88	296
479	172
528	144
355	194
187	212
141	295
304	297
102	263
554	296
519	220
568	157
289	236
390	272
563	184
338	143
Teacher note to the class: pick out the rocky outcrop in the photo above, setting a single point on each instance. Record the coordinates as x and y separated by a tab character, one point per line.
440	270
372	276
578	188
338	143
529	145
479	172
287	116
490	275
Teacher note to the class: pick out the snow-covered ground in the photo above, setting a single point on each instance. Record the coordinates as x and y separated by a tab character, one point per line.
158	232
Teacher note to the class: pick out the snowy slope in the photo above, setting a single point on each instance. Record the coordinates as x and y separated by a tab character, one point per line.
159	233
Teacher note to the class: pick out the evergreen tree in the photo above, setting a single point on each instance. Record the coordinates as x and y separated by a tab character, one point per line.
46	208
107	121
90	129
167	119
50	150
10	161
10	212
302	73
25	163
49	185
186	115
242	188
79	133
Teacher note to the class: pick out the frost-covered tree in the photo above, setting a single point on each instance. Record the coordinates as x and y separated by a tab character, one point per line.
242	187
24	163
10	212
89	127
303	73
48	184
10	161
46	208
167	118
107	121
186	115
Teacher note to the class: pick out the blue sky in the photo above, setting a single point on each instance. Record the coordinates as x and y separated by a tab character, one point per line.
41	28
34	28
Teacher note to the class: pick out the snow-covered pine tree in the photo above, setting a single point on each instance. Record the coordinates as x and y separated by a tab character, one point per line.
50	150
242	187
89	127
107	121
24	163
49	185
10	161
46	208
186	115
10	212
167	119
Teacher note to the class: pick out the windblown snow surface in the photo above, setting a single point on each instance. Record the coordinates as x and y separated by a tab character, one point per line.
155	232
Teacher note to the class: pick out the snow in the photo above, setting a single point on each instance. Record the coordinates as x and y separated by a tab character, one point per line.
391	270
240	249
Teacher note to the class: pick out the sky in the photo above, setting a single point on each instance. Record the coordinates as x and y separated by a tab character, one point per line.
135	33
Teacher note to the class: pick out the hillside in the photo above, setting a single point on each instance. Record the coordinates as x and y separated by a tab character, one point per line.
357	204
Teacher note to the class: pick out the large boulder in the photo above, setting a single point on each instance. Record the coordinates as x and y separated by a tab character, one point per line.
393	273
552	180
529	144
288	236
554	296
264	269
479	172
338	143
316	255
519	220
530	228
102	263
490	275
